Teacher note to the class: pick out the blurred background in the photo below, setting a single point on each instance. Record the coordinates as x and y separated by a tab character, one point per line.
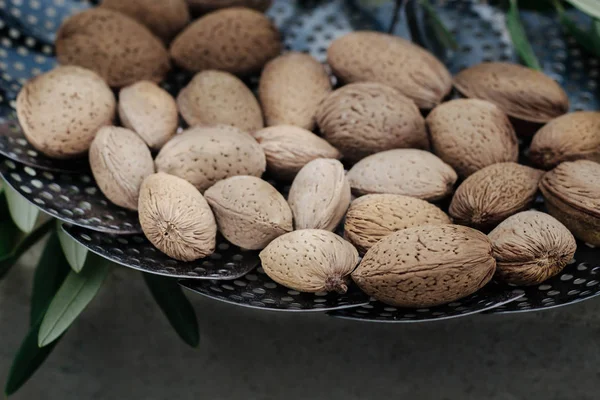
122	347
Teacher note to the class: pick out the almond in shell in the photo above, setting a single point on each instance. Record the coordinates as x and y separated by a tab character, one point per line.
237	40
530	247
396	62
150	111
410	172
250	212
206	155
523	93
372	217
61	111
217	97
367	117
426	266
120	49
164	18
176	218
289	148
572	195
494	193
291	88
120	162
320	195
570	137
310	260
470	134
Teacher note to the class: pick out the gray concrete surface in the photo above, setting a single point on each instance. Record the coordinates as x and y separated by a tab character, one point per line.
123	348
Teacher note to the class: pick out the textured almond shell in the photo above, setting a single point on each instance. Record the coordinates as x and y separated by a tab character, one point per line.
206	155
217	97
572	194
291	88
310	260
250	212
120	49
120	162
61	111
202	6
494	193
426	266
150	111
176	218
365	118
236	40
470	134
570	137
289	148
372	217
320	195
530	247
410	172
521	92
164	18
393	61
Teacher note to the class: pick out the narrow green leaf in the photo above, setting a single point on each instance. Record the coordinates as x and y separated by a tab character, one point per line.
589	40
9	233
74	295
27	360
50	273
590	7
534	5
176	307
519	38
73	251
24	244
440	30
21	210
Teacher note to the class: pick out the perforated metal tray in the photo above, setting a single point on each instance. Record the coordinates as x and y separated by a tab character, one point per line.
135	251
67	191
490	297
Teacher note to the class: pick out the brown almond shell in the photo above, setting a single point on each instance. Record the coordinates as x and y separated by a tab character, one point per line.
236	40
410	172
530	247
176	218
572	195
219	98
426	266
523	93
470	134
250	213
115	46
379	57
164	18
291	88
573	136
365	118
372	217
494	193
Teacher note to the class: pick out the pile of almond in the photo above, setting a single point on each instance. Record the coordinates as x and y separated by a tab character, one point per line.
361	156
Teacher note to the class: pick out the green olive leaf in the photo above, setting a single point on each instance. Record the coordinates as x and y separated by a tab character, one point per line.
519	37
76	292
73	251
440	30
23	213
590	7
50	273
177	308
